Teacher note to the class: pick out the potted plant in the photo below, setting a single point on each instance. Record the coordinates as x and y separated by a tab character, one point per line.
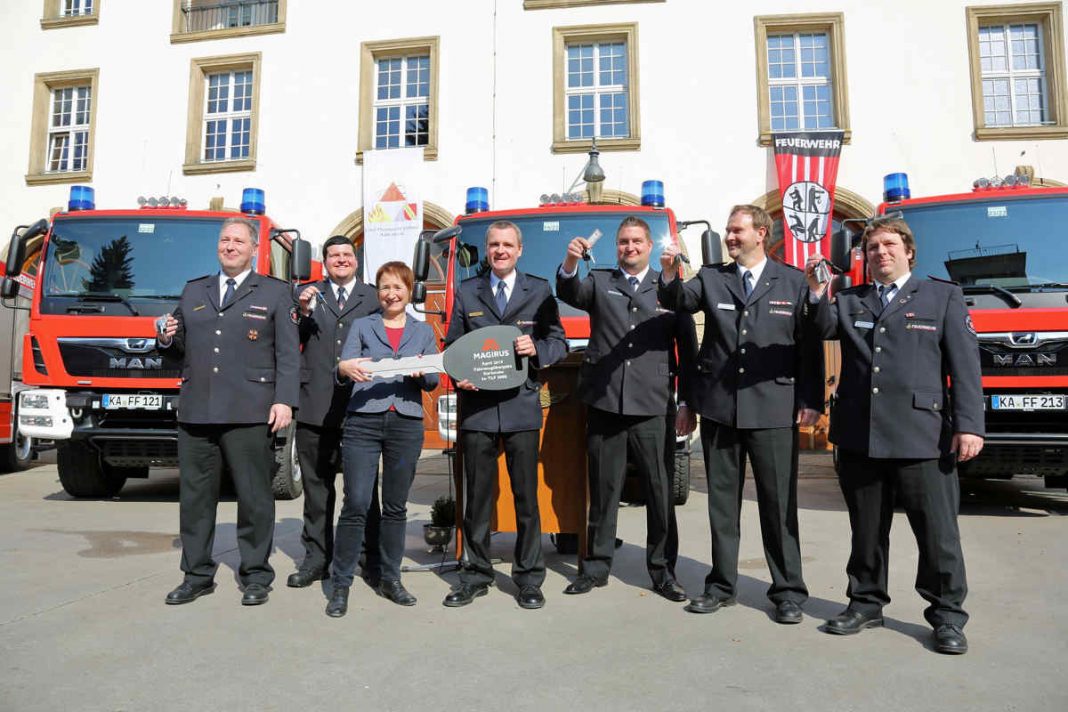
438	533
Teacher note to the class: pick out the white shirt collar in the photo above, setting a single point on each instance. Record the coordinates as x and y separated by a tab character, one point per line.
347	285
509	282
899	282
641	275
238	280
756	270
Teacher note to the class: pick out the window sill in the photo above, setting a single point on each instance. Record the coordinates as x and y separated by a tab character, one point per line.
603	144
194	169
765	136
56	178
430	153
227	32
1017	133
54	23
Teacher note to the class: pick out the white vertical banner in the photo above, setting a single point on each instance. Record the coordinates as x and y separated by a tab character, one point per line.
392	207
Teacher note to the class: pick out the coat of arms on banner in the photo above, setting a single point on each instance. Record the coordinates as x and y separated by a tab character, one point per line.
806	206
393	206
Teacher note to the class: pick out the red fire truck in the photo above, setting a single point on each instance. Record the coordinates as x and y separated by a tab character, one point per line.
1000	243
547	228
92	379
16	449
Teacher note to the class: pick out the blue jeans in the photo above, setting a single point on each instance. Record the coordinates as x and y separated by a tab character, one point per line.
398	439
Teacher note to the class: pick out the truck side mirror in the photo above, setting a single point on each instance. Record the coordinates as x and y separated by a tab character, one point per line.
419	293
300	263
16	253
711	248
421	261
842	249
467	255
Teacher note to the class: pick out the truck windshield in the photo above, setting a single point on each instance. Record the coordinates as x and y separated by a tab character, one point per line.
125	265
1006	241
545	238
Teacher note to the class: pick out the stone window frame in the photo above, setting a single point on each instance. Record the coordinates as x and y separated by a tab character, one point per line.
52	20
43	85
199	69
178	35
1048	15
833	23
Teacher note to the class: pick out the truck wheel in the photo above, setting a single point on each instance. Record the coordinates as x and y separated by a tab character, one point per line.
680	478
83	474
18	455
287	482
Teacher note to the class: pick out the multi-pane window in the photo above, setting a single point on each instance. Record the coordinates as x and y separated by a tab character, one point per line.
68	129
227	116
596	90
75	8
402	101
1013	75
800	82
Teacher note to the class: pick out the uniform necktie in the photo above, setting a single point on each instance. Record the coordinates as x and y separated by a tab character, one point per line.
231	283
502	298
340	298
886	292
633	282
747	283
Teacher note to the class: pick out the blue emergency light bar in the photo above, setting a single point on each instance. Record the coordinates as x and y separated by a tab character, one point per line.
82	197
477	200
896	187
252	202
653	193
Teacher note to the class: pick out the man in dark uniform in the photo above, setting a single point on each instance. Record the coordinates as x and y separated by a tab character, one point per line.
900	429
237	334
757	379
627	382
327	310
512	417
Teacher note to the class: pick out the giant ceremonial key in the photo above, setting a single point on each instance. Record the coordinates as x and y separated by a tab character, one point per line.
486	357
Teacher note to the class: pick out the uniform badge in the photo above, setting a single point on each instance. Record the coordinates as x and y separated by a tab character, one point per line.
253	334
910	315
474	314
198	308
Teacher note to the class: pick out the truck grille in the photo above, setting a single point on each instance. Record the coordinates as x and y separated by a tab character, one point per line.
1024	354
117	358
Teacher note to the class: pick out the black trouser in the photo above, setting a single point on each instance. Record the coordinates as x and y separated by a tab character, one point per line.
609	438
247	451
398	440
319	452
929	492
772	452
480	487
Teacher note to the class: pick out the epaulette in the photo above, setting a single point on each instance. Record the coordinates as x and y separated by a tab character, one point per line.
790	266
276	279
197	279
534	276
943	281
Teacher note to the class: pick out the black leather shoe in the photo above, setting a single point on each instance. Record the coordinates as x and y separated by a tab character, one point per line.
339	602
255	594
949	639
584	584
395	591
189	592
788	612
708	603
463	594
530	597
305	577
671	590
851	622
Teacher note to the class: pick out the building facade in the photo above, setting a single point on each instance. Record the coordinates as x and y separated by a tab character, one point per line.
201	98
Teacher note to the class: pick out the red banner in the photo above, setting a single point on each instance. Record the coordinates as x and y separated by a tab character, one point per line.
807	164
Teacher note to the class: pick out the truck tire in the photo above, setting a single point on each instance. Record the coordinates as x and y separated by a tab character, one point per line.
287	482
680	478
18	455
83	474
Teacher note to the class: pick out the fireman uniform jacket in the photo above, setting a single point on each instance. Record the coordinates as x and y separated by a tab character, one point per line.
533	309
630	363
893	401
240	359
755	367
322	335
